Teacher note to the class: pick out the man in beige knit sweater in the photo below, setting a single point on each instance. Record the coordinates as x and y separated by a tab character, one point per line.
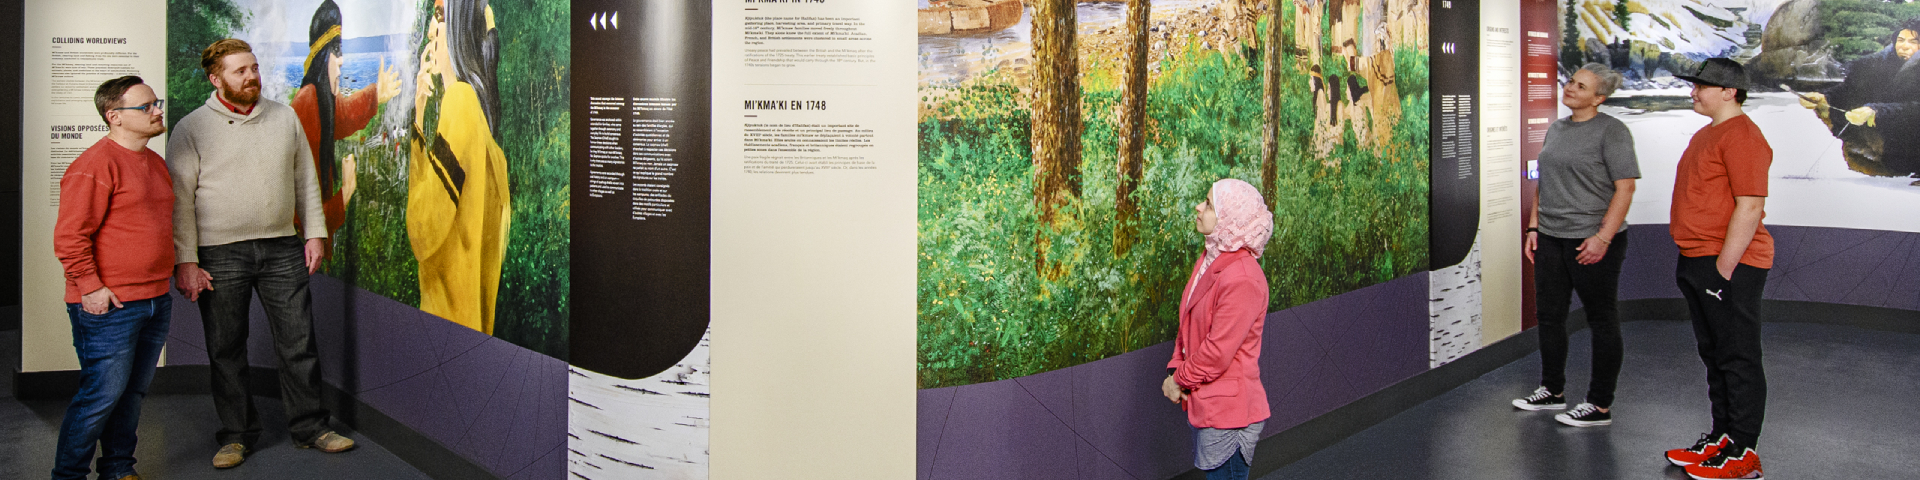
247	217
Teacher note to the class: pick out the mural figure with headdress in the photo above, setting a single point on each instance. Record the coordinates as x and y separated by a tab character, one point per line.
328	114
458	206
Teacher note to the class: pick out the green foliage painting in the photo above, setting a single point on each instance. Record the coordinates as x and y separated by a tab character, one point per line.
1622	16
534	126
1351	185
191	26
1570	55
1855	28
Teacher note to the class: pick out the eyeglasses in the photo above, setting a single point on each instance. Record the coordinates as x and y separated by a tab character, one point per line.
156	106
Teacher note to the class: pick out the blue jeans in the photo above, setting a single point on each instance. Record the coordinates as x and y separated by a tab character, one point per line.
1235	469
118	351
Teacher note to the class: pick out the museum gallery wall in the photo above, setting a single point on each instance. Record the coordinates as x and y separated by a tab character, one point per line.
1836	84
1062	151
1828	170
567	236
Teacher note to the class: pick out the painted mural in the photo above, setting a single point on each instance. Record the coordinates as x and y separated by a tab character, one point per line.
441	145
1836	92
1064	145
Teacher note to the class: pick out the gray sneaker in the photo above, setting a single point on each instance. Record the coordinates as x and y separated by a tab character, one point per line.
230	456
1541	400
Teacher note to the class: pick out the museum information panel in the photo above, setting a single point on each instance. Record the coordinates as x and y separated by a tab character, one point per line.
813	237
73	50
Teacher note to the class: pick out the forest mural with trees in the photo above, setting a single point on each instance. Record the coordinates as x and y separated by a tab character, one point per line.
1061	156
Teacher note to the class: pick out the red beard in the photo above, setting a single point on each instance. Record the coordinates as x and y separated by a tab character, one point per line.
246	95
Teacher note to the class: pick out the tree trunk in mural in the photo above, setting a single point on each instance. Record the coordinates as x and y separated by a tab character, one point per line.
1056	118
1270	81
1132	123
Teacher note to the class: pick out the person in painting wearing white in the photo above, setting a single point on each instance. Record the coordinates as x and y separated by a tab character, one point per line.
1574	238
1215	371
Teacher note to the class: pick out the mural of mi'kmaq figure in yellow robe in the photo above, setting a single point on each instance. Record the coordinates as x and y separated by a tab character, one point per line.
458	207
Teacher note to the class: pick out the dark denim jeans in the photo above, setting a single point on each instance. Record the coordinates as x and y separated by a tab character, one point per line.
277	269
118	351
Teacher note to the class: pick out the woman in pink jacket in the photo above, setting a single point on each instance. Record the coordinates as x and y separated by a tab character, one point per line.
1215	372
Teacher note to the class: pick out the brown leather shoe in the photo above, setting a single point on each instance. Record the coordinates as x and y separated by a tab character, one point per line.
331	442
131	477
229	456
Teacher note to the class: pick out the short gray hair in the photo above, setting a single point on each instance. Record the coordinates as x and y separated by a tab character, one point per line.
1609	80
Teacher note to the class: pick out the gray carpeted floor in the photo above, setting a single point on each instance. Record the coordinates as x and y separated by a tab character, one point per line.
176	439
1839	406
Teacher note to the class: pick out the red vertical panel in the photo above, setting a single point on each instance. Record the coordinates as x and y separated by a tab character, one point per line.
1539	104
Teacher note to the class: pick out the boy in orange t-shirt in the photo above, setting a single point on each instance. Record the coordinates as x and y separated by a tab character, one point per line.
1719	197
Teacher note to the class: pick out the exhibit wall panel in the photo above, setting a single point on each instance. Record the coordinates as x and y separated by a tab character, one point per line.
440	145
813	239
1457	213
1501	92
75	51
443	165
1107	420
1829	169
1841	206
1539	107
1055	218
1063	148
639	386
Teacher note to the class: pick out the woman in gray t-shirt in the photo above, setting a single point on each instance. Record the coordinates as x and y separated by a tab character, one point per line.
1587	170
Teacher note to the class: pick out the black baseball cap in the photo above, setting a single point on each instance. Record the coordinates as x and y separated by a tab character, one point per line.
1720	72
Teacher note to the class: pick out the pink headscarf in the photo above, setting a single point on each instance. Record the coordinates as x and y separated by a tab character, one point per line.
1244	221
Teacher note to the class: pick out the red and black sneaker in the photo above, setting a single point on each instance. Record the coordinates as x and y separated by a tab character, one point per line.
1708	445
1731	462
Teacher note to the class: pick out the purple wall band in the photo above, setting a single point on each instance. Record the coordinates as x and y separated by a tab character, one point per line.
500	406
1873	268
504	407
1107	420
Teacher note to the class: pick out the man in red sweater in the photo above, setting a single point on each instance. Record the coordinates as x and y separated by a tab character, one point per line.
114	236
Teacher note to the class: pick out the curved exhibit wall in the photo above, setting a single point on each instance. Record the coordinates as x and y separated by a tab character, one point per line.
1050	243
1046	308
1056	228
479	187
442	314
1834	166
1106	419
1842	207
478	367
